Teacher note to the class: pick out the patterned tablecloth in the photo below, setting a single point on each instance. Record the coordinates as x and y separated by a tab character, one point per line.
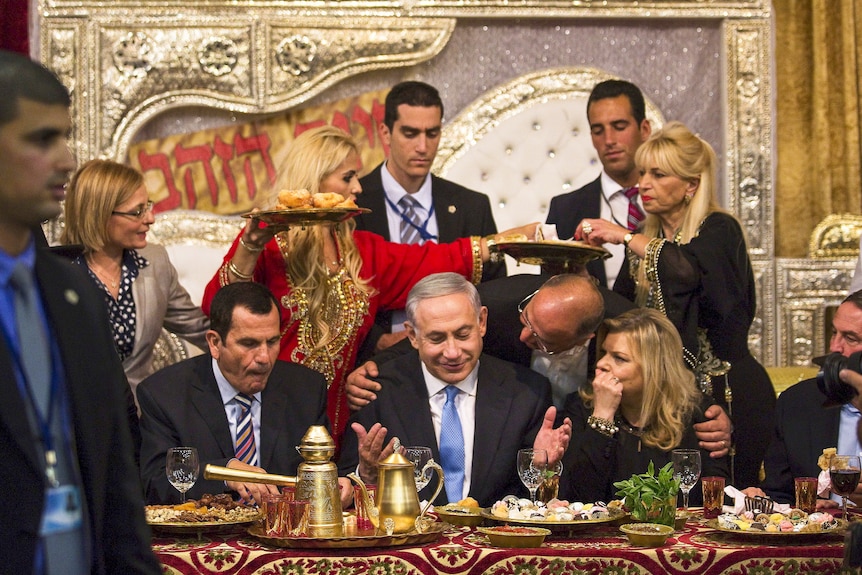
697	549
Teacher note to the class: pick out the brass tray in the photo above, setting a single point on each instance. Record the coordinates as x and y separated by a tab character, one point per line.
192	528
305	217
553	252
351	541
781	536
555	526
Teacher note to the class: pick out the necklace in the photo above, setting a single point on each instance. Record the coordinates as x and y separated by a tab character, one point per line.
103	276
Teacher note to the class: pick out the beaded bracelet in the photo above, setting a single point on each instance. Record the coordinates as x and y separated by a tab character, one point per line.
603	426
249	247
237	273
476	244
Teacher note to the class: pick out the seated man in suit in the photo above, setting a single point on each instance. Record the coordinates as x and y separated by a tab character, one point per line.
807	421
474	411
206	401
544	324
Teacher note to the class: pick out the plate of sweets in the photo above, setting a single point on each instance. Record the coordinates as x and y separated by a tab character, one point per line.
209	513
556	512
302	208
465	513
793	525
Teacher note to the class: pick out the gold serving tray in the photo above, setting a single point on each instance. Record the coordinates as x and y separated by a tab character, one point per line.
555	526
556	253
352	539
198	527
781	536
306	217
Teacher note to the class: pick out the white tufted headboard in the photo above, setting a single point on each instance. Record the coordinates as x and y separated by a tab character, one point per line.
524	143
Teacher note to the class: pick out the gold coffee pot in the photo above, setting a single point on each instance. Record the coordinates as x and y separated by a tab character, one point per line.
317	482
395	508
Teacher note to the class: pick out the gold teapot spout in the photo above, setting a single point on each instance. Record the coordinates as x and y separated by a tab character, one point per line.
373	512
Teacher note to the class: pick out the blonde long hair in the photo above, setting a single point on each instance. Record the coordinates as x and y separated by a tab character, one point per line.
311	158
669	392
676	150
96	189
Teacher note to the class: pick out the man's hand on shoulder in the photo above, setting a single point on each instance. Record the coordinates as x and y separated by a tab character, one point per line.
714	433
361	389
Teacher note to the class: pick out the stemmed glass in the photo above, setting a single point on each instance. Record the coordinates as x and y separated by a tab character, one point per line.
844	471
686	469
532	464
182	468
419	456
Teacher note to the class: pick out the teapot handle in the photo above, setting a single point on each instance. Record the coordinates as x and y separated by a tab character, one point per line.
435	466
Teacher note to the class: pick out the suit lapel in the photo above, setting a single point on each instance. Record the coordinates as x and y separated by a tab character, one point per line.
273	408
412	408
207	401
448	220
374	199
13	411
492	411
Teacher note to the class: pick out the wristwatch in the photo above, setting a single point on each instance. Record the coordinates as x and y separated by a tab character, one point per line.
627	238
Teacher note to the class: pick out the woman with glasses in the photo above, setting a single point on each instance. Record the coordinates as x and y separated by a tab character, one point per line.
331	279
108	212
640	406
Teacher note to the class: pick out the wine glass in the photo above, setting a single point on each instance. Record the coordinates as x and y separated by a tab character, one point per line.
182	468
419	456
686	469
532	464
844	471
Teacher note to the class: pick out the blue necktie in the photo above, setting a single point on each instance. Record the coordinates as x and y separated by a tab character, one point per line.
34	351
245	448
452	447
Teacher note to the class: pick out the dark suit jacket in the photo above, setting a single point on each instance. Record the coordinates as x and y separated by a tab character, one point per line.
96	389
804	427
567	211
181	405
510	404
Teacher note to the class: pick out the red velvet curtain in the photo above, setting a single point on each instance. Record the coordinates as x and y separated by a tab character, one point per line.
13	26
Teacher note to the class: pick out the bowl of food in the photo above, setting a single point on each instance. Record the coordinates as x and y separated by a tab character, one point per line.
455	514
647	534
515	536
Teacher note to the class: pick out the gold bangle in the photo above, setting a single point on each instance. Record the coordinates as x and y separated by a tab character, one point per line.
603	426
494	251
249	247
237	273
476	244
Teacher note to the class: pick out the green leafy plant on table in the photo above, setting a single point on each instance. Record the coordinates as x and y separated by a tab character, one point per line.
651	497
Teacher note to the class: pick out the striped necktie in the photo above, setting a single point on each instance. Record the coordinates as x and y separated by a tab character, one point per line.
245	449
410	222
636	216
452	447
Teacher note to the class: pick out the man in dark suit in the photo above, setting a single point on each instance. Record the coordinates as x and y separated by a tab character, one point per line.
64	435
501	407
807	422
199	402
446	211
616	113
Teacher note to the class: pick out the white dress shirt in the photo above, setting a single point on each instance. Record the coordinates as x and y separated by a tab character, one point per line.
615	208
465	403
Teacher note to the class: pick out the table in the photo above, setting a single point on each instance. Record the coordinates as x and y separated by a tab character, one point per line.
601	550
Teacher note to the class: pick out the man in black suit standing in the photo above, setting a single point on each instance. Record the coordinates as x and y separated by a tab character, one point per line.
238	390
64	435
402	193
617	116
473	410
807	422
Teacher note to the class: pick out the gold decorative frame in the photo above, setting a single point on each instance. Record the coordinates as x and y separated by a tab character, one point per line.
126	62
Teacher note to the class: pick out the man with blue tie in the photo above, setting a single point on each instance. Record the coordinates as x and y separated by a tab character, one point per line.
473	410
616	112
76	505
237	405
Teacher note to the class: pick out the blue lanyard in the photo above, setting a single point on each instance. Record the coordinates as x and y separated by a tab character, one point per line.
423	229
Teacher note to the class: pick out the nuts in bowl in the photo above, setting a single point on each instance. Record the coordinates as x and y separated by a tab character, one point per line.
647	534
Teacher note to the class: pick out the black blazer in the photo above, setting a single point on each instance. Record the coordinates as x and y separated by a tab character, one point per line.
567	211
181	405
96	388
510	404
804	426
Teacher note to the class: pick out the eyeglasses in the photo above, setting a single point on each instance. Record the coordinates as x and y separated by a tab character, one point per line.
139	213
523	313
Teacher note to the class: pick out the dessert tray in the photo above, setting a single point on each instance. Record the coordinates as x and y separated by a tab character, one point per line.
552	252
306	217
352	538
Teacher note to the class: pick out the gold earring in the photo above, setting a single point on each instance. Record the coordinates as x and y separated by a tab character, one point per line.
687	199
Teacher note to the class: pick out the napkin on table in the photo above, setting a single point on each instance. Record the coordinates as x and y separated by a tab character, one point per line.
739	502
